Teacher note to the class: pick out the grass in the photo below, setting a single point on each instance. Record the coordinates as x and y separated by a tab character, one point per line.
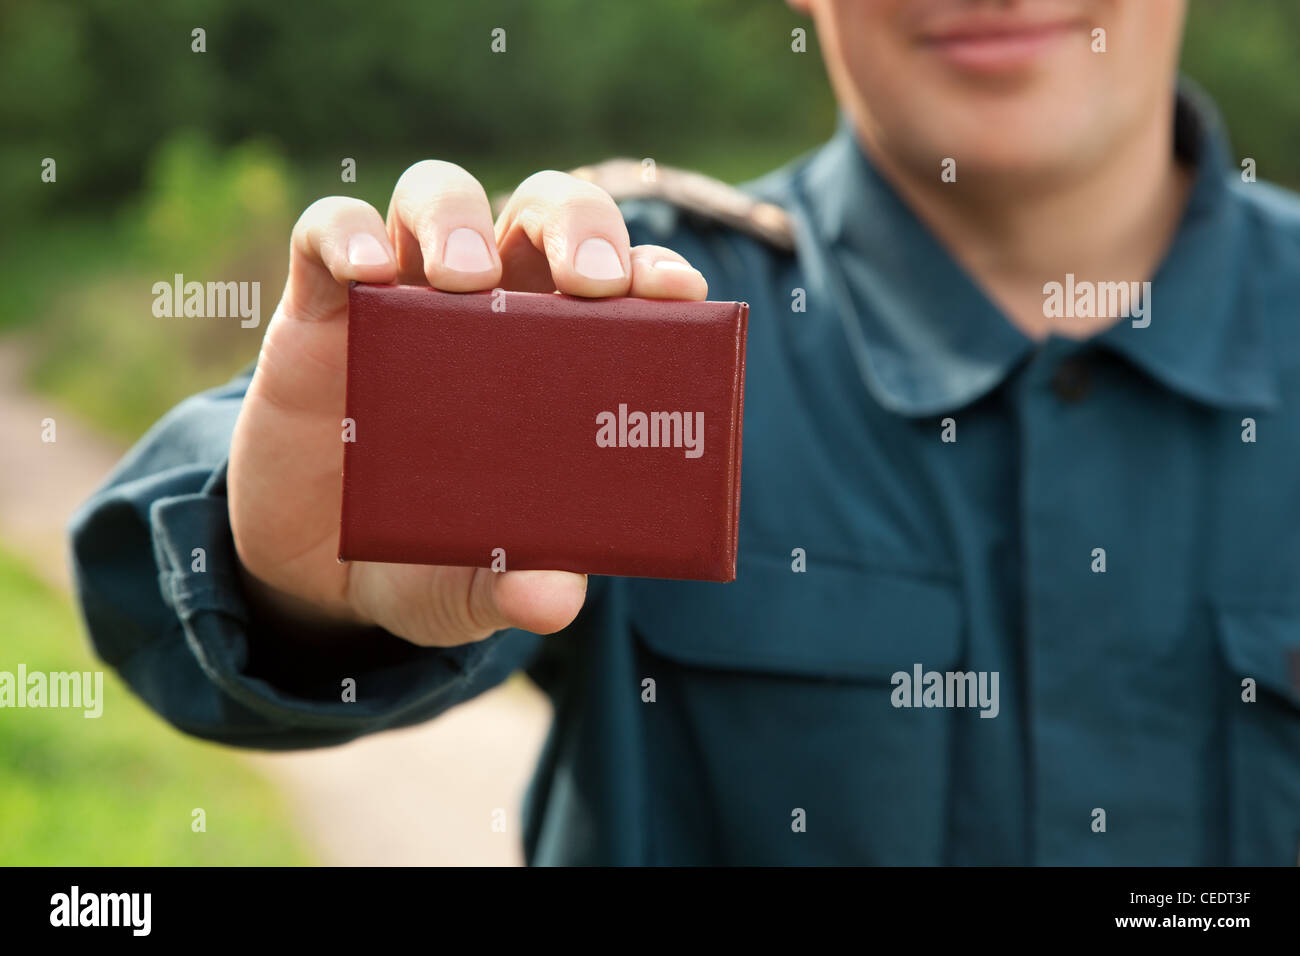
120	789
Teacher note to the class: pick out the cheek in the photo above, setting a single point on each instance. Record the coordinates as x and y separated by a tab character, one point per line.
1142	46
1148	35
869	48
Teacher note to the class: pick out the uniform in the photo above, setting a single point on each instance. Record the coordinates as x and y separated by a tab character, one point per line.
1097	538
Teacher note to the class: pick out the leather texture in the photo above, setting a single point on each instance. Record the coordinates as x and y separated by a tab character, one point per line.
509	420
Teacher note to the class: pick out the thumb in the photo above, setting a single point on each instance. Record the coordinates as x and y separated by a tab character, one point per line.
447	606
539	601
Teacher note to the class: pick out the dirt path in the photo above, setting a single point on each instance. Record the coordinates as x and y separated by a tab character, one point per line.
423	796
41	483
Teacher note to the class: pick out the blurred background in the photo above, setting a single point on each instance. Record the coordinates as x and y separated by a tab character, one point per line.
175	161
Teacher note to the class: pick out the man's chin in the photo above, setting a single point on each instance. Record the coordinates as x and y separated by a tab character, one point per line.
1028	161
998	144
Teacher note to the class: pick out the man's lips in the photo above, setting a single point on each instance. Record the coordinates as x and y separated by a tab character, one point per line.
997	47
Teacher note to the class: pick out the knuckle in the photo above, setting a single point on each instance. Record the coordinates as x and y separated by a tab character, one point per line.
453	615
555	245
540	181
561	189
649	251
582	203
416	171
311	215
429	187
436	175
582	211
327	210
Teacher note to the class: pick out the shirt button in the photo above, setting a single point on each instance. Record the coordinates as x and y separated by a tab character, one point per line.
1072	380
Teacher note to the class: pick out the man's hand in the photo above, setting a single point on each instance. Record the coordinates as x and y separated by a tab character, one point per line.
556	233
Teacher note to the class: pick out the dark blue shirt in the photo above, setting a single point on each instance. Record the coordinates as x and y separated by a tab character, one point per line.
934	508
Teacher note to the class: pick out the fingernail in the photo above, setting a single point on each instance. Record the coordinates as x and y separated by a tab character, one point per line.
466	251
673	264
596	259
365	250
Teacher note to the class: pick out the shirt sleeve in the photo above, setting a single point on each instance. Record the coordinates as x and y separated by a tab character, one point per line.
157	580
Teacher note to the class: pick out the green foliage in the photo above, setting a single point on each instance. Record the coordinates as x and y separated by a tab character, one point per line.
1247	56
201	205
119	789
99	84
203	212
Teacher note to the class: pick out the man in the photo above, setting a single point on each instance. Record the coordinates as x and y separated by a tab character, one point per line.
1017	565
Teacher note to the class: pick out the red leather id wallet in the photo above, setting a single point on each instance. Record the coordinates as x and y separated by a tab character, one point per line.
519	430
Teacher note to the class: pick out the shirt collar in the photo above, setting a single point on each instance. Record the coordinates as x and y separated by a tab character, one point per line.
927	340
1209	337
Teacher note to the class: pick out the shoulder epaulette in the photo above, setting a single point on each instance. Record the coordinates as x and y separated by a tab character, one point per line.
700	195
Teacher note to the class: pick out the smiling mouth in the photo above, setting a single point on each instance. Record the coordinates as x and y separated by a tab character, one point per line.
999	47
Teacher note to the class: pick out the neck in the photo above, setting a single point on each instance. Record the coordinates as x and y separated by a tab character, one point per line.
1110	222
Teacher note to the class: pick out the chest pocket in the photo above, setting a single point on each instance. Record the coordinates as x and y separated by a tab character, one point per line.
1263	736
773	738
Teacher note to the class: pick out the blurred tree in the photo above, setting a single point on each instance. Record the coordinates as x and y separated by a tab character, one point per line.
1247	56
100	84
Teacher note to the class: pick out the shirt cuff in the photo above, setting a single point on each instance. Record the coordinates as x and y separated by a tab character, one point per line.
394	682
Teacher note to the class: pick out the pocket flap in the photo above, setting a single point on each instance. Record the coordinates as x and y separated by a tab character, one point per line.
1264	644
831	621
